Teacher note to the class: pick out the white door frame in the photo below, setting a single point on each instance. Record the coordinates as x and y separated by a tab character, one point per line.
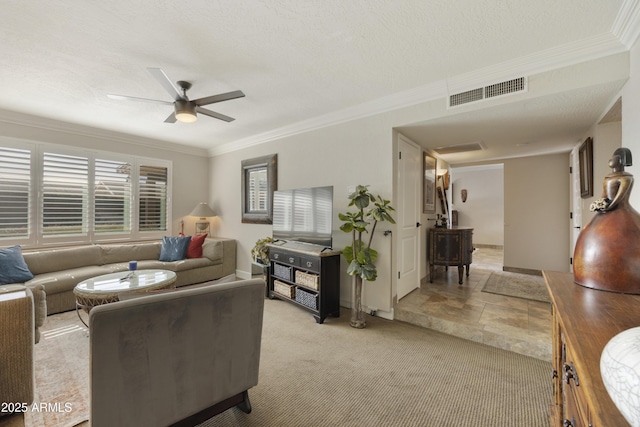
575	226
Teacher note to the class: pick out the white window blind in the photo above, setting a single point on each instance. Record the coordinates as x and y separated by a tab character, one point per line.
15	192
65	190
152	192
112	196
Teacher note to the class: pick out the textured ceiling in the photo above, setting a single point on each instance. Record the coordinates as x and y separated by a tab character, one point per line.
295	60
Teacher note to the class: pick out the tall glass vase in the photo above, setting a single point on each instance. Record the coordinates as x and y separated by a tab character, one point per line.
357	315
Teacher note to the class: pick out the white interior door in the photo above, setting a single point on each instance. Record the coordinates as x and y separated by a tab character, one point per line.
408	218
576	201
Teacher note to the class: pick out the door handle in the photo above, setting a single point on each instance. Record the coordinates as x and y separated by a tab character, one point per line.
578	227
418	224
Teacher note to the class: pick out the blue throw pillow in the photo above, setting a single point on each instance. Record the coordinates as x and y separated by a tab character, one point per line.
13	269
174	248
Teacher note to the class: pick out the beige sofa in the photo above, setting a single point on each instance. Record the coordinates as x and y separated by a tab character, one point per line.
176	355
58	271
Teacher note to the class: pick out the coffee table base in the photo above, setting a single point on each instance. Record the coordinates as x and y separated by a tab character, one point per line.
87	300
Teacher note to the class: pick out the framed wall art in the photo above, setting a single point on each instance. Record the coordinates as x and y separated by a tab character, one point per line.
429	164
585	154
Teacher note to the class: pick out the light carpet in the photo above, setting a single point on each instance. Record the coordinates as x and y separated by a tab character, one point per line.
389	374
527	286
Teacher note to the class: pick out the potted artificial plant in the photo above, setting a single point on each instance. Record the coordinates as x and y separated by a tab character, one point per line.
260	252
360	256
260	256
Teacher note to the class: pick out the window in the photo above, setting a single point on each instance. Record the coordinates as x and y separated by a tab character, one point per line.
15	191
153	198
112	195
65	195
80	196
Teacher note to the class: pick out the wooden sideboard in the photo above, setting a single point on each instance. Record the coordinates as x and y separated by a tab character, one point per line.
450	246
583	321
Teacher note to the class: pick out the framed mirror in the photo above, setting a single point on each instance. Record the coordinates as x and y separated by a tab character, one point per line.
428	183
259	181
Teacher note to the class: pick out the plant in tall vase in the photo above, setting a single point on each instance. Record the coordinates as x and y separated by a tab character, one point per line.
361	257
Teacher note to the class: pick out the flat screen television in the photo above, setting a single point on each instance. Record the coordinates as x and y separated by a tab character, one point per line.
303	215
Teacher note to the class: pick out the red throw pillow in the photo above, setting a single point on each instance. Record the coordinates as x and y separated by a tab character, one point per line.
195	247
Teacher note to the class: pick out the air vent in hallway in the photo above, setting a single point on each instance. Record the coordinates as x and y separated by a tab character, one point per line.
460	148
490	91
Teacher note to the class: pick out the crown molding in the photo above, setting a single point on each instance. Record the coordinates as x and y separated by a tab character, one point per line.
565	55
398	100
568	54
37	122
626	27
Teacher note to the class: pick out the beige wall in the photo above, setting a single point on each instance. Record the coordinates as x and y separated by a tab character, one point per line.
358	152
536	215
606	139
484	208
631	120
190	168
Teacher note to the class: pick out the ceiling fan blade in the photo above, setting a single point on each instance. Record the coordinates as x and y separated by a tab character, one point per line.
134	98
219	98
214	114
167	84
171	118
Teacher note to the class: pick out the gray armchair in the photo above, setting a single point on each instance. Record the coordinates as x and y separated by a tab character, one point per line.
175	358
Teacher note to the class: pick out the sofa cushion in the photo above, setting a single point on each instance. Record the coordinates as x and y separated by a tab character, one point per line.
112	254
65	280
213	249
13	268
174	248
195	247
48	260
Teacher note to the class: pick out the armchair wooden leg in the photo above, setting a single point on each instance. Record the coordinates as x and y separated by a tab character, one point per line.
245	405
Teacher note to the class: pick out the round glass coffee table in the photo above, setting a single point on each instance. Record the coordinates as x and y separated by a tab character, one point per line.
107	287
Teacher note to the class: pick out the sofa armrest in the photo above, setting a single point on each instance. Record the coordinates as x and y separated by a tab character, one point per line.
164	357
17	380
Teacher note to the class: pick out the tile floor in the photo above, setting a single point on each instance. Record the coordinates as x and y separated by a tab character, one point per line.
513	324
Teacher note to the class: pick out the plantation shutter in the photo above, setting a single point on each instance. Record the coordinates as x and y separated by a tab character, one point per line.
152	191
15	192
65	189
112	195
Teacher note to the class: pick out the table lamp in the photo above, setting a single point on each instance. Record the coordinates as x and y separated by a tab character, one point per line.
202	211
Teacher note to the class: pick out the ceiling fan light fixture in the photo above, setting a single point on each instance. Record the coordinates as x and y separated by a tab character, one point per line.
185	111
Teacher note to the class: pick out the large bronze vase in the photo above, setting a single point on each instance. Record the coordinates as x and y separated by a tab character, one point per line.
607	253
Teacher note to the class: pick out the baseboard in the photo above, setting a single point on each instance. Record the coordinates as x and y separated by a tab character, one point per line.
243	274
522	270
482	245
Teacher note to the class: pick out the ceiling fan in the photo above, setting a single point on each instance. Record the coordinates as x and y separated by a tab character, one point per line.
185	110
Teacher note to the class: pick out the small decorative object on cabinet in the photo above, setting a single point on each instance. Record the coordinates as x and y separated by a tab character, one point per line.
620	368
450	246
306	275
584	320
607	252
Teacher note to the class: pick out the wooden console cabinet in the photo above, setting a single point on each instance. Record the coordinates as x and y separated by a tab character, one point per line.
450	246
584	320
307	276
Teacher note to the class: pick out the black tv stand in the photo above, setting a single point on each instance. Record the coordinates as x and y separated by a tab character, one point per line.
307	276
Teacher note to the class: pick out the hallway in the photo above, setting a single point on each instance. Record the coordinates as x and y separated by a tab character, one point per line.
514	324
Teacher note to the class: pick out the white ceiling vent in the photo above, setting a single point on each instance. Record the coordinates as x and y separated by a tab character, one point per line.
490	91
460	148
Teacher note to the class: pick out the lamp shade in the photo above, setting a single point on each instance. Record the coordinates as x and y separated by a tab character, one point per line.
202	210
